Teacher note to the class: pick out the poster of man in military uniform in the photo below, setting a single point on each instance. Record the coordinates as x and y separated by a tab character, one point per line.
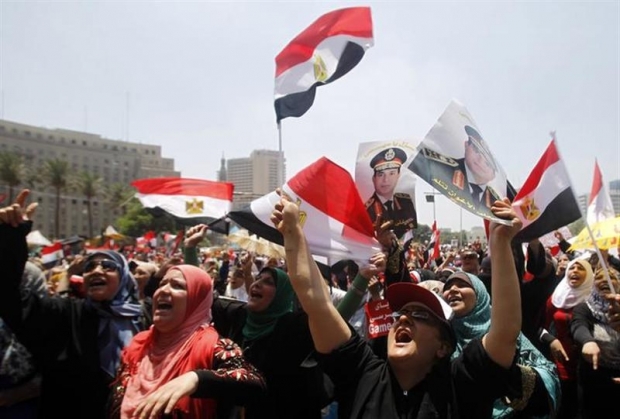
455	159
391	191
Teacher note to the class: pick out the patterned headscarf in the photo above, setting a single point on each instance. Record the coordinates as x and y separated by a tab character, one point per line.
476	324
119	318
566	296
263	323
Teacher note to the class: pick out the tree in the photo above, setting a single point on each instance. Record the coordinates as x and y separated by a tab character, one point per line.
118	196
90	186
12	171
576	226
422	233
137	221
56	175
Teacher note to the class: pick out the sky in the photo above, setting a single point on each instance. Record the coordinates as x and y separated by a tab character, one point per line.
197	78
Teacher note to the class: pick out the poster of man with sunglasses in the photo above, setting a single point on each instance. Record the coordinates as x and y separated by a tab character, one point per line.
456	161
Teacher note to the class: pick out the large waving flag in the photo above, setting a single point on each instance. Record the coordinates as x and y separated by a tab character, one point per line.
190	201
325	51
332	213
600	207
546	201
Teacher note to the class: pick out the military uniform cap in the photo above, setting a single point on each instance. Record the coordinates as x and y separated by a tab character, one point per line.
477	141
392	158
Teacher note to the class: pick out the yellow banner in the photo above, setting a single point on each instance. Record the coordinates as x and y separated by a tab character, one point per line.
606	233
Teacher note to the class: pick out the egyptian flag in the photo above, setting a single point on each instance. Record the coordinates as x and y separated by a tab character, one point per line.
433	245
50	255
189	201
332	214
546	201
600	206
327	50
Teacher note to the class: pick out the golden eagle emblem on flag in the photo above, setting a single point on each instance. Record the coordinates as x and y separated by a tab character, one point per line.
303	215
194	206
320	69
529	209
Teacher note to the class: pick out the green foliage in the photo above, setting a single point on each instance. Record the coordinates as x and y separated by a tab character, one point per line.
576	226
12	171
90	186
422	233
56	174
117	195
137	221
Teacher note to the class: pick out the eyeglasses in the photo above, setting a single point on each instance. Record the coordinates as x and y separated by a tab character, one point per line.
422	315
106	264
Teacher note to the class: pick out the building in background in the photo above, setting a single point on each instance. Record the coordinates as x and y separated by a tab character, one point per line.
116	162
582	201
252	176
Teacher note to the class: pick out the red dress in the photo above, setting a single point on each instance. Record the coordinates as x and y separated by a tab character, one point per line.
557	322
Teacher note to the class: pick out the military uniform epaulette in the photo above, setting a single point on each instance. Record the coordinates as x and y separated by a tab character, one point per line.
370	201
402	195
438	157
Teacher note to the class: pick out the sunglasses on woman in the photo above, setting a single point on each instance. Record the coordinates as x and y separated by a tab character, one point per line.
106	264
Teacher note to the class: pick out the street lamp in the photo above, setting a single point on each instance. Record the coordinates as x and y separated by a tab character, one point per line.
430	197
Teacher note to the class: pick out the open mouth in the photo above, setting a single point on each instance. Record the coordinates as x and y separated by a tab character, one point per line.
164	305
403	336
97	282
454	299
254	294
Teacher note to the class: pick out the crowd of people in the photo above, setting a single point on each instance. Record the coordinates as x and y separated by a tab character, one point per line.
508	331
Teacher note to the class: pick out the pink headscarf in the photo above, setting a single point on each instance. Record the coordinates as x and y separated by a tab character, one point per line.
154	358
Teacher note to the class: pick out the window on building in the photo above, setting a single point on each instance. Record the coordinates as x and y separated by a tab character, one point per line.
84	143
72	141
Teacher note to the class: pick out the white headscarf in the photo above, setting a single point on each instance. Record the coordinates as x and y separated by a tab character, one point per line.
566	296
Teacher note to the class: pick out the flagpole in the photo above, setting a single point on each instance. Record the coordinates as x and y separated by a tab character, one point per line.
280	157
598	251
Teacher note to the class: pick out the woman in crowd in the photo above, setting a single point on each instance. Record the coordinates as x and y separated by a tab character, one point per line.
533	377
598	335
143	273
574	288
418	379
235	288
182	340
277	342
275	339
75	342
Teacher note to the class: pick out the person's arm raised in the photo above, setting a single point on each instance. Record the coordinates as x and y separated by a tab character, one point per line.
501	340
328	328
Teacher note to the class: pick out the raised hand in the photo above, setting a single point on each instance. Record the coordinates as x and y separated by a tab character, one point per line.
195	235
377	264
285	215
384	233
503	209
18	212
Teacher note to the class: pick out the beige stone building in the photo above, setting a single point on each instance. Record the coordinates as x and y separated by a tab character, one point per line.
252	176
113	161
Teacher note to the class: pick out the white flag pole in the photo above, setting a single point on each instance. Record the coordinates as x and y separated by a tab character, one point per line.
598	251
280	157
